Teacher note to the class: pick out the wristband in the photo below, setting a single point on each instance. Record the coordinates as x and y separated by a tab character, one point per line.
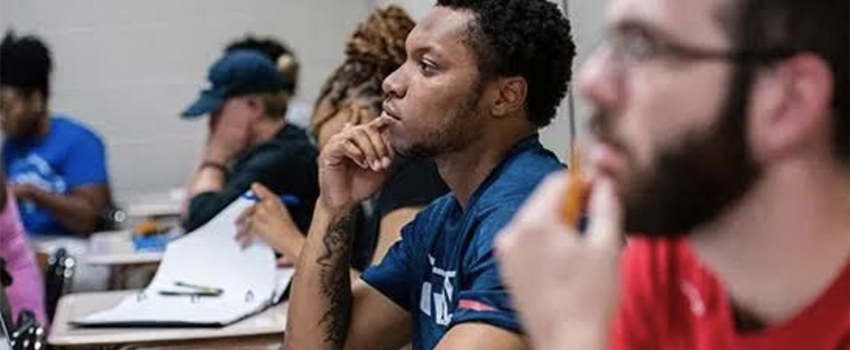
214	165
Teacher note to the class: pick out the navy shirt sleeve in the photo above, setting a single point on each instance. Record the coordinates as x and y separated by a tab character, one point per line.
482	296
397	274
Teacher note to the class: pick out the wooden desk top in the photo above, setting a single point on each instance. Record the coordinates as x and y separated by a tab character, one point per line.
272	321
273	342
156	204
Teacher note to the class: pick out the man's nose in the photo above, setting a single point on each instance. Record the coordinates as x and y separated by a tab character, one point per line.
598	81
393	85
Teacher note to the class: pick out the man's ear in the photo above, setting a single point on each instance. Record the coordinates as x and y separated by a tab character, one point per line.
510	96
790	107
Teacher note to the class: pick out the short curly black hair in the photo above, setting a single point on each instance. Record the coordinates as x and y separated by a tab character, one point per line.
527	38
25	64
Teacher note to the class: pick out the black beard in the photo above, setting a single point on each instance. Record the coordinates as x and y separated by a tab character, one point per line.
694	183
451	138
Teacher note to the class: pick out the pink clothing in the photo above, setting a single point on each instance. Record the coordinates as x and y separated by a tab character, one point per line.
27	289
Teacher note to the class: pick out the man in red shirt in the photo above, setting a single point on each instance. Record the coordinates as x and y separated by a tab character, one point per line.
722	136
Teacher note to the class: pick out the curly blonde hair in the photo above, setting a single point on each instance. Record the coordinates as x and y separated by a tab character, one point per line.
373	51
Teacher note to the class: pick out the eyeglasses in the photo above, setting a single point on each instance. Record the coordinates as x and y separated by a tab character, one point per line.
631	45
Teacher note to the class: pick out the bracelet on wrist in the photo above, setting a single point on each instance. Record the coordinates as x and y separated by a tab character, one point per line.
214	165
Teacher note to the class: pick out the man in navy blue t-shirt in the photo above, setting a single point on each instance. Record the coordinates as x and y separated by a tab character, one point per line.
56	167
481	77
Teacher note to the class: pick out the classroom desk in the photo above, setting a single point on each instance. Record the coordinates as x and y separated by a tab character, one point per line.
116	248
153	205
86	276
274	342
267	324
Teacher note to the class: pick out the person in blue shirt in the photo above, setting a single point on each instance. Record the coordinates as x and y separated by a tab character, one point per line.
480	79
56	167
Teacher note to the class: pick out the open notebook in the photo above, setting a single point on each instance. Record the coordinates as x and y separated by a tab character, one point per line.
209	256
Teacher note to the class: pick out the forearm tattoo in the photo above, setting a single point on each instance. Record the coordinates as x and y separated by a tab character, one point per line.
335	279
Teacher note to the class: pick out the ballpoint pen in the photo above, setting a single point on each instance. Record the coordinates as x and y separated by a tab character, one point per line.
575	194
200	288
173	293
195	290
284	198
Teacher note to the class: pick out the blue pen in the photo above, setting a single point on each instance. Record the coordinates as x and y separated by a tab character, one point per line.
284	198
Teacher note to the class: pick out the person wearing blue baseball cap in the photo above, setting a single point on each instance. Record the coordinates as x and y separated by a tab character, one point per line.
288	65
249	140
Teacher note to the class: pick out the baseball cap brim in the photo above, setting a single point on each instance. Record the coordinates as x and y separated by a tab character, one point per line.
206	103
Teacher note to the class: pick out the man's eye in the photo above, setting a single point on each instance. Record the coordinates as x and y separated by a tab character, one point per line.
639	46
426	68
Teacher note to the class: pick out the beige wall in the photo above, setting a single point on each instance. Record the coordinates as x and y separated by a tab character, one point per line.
128	68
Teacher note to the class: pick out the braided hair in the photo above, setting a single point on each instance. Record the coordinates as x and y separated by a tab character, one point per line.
374	50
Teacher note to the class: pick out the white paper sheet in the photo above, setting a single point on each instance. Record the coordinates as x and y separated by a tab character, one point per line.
209	256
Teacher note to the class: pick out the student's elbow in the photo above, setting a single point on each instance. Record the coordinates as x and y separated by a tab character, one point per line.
86	224
88	221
